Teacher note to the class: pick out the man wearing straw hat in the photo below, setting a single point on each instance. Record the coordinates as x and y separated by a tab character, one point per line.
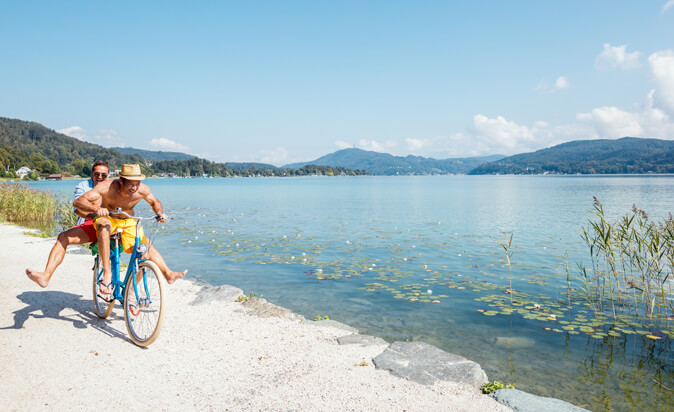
124	193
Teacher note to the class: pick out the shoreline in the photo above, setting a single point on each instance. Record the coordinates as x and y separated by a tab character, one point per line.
211	353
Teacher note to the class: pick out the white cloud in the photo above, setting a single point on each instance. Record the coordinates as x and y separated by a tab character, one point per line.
74	131
275	156
375	146
662	71
667	6
501	133
163	143
103	137
343	145
616	57
612	122
560	84
416	144
371	145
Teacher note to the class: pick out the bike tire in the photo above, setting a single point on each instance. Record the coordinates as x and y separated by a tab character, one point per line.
144	327
102	308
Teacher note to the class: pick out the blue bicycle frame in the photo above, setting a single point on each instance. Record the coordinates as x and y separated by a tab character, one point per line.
132	270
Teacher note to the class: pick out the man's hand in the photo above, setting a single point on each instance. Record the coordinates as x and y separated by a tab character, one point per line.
102	212
161	217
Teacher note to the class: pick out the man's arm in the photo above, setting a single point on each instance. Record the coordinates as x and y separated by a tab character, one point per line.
154	203
89	204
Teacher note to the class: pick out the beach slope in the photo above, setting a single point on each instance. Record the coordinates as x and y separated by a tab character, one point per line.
56	354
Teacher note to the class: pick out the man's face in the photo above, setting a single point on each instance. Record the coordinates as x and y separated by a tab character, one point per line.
130	186
99	174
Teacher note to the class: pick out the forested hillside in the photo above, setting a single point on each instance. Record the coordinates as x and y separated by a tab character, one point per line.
387	164
152	155
37	147
626	155
41	149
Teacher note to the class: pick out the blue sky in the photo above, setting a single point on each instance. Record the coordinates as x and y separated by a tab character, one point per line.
286	81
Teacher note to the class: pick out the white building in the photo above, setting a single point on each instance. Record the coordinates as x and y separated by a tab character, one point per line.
23	171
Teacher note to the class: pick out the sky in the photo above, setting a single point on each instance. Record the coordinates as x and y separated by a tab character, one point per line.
289	81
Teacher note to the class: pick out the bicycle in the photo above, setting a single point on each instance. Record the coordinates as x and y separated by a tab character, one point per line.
141	292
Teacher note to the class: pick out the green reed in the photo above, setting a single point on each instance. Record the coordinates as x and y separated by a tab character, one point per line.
632	264
35	208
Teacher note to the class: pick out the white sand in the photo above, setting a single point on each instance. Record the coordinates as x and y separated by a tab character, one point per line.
56	354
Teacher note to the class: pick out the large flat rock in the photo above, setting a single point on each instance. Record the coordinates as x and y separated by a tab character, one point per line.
362	340
525	402
426	364
262	308
224	293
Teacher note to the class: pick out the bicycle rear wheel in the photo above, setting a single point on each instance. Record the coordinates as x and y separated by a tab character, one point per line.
101	307
144	316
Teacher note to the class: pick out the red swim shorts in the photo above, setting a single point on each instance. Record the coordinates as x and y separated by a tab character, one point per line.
88	227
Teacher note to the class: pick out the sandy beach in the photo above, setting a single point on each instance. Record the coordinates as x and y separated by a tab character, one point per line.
57	355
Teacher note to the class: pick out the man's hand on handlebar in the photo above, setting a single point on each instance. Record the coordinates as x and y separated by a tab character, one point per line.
161	217
102	212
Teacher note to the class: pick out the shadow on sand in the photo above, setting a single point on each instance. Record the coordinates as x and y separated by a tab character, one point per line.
50	304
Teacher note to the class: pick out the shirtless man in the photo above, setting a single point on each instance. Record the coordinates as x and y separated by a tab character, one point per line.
83	232
124	193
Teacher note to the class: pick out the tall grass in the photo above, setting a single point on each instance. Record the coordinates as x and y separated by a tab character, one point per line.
34	208
632	264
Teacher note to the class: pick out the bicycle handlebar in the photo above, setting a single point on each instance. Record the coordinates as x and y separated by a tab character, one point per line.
121	212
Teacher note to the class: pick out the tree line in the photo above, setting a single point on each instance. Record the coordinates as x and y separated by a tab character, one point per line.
47	152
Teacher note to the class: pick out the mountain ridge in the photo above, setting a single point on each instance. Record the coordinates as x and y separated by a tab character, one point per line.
627	155
386	164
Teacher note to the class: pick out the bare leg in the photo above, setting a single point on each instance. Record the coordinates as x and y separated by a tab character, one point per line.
72	236
103	228
170	275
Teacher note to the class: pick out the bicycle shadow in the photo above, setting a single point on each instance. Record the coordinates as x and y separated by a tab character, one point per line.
51	304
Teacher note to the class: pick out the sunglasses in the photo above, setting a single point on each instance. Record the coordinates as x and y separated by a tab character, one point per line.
100	175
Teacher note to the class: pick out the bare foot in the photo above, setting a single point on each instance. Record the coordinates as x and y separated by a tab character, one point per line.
38	277
173	276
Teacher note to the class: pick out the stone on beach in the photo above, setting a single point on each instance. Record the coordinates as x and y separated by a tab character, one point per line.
526	402
426	364
224	293
363	340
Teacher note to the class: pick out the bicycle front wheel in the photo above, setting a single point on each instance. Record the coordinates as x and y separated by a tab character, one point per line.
144	315
101	307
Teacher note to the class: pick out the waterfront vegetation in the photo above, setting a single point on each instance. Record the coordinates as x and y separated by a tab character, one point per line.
632	267
34	208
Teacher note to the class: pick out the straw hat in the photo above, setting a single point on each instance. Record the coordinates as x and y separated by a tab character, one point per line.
131	172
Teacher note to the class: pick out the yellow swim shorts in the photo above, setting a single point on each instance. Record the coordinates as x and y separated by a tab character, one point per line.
128	227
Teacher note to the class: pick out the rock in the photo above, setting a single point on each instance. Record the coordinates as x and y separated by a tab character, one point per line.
424	363
224	293
263	309
515	342
363	340
525	402
333	324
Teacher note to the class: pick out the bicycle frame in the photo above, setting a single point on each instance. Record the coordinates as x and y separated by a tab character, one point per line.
132	269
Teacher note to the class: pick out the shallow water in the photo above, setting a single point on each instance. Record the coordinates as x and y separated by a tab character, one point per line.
405	258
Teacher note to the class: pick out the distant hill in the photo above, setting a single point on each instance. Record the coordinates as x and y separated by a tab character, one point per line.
626	155
250	166
154	155
385	164
45	151
31	144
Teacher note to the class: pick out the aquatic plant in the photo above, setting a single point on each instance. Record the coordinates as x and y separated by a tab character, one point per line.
243	298
490	387
632	265
23	205
35	208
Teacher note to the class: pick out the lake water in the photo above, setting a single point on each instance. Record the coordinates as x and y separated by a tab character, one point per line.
420	259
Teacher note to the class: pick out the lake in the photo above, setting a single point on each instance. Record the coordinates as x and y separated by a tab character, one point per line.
421	259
